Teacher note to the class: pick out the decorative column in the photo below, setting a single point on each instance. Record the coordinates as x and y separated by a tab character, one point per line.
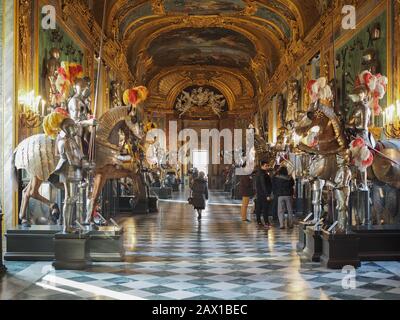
2	267
8	111
396	44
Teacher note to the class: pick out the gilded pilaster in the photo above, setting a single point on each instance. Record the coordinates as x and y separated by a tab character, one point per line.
24	44
396	62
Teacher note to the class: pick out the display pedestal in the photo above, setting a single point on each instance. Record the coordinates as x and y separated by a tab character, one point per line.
301	244
144	206
153	204
378	243
2	267
359	207
31	244
106	245
313	248
165	193
339	250
71	251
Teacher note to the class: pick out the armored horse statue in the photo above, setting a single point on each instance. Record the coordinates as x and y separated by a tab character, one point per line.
325	137
37	155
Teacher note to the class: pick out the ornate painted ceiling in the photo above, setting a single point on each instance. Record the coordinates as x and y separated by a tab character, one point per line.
241	40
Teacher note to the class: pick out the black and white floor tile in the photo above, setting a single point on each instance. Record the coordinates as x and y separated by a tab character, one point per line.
171	255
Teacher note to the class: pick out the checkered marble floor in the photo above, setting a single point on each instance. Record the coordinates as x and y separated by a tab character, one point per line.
171	255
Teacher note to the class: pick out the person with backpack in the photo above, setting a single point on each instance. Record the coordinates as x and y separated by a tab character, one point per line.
283	189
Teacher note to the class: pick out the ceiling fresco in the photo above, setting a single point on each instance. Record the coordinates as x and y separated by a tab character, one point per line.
138	12
211	46
204	7
270	16
208	38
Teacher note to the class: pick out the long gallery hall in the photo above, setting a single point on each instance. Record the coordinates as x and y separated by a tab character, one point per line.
236	150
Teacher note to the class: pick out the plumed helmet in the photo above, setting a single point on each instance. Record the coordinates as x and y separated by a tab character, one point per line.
52	122
135	95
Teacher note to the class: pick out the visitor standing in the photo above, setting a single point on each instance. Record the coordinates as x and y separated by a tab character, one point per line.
199	194
264	191
247	192
283	189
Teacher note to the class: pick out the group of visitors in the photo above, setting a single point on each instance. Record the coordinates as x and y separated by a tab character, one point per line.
269	186
266	186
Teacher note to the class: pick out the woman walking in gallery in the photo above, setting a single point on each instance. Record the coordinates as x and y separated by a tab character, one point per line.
247	192
199	194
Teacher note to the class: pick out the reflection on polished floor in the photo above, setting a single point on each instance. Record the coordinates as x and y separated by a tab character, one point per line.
171	255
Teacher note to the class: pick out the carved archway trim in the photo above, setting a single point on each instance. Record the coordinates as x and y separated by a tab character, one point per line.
179	22
219	85
118	6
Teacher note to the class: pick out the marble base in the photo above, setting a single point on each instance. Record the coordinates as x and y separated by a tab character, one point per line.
3	269
165	193
339	250
71	251
31	244
301	244
378	243
313	248
106	245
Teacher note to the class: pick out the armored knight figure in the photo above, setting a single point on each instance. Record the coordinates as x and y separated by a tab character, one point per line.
361	116
69	169
79	112
116	94
341	186
316	186
360	121
51	73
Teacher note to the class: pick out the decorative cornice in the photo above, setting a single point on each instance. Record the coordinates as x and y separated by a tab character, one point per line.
114	52
301	51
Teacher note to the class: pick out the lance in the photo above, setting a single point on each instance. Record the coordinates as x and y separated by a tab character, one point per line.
92	146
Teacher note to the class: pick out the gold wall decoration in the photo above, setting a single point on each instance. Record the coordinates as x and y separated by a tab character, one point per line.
24	44
166	86
158	7
396	64
114	53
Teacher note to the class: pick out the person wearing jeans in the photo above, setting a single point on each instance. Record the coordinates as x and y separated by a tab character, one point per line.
246	189
283	189
264	191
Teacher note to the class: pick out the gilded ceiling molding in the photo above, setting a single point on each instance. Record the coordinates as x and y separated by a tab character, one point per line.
301	51
396	64
158	7
300	17
166	87
179	22
119	8
250	9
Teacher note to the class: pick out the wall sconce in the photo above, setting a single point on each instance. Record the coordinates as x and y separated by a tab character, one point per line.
391	121
30	108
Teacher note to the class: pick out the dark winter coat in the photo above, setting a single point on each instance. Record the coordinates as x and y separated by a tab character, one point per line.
263	184
199	193
282	185
246	186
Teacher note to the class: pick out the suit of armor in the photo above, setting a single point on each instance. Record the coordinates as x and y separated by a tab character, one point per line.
360	121
341	187
79	112
316	187
69	168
